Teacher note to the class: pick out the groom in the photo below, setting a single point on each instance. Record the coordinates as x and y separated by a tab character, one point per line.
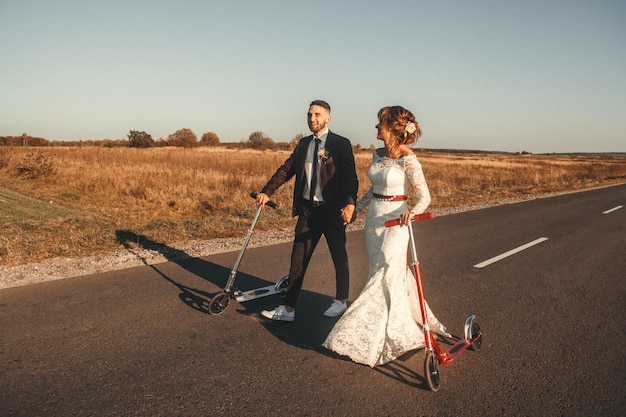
324	199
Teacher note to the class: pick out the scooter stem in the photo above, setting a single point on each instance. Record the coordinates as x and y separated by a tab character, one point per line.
233	272
420	289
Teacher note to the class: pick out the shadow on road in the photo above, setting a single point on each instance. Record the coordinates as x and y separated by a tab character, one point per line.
215	274
311	326
193	297
309	330
402	373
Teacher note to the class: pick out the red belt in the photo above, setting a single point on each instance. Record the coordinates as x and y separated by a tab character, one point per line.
390	197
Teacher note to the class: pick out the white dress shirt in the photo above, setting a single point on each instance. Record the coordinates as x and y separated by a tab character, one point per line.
308	166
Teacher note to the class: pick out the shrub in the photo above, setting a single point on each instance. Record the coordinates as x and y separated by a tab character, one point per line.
210	139
183	137
141	139
35	164
5	156
259	140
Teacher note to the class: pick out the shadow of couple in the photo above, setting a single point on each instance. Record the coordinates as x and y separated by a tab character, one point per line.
311	329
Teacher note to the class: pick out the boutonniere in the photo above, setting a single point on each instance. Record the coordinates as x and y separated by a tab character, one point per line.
323	154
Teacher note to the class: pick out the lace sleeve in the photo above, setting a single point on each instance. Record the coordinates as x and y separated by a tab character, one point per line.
415	175
365	200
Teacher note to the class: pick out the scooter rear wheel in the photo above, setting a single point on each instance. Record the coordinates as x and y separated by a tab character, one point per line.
431	373
219	304
476	332
282	284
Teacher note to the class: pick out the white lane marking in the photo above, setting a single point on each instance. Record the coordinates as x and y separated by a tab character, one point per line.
612	210
511	252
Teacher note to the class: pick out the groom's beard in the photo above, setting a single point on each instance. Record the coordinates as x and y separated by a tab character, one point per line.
317	127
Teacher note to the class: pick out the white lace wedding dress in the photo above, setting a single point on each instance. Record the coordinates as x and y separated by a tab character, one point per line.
384	322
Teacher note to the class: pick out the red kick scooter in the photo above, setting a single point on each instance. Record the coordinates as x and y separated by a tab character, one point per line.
435	355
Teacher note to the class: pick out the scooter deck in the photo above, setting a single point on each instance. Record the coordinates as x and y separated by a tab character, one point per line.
456	350
242	296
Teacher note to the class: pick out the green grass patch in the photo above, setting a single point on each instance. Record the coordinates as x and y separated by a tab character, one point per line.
16	208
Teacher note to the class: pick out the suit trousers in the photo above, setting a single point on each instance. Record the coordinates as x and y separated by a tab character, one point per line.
313	222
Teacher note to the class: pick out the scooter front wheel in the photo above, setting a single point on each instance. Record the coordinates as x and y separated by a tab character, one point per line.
219	304
431	372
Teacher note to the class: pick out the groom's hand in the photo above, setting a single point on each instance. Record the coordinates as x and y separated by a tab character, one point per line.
261	199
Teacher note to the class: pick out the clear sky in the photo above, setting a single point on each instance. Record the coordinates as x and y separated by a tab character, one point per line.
533	75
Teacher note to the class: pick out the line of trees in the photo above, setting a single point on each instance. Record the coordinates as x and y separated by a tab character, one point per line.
23	140
184	138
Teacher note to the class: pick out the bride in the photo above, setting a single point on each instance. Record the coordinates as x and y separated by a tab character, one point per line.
384	322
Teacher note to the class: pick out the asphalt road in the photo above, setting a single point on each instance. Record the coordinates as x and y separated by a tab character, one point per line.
139	342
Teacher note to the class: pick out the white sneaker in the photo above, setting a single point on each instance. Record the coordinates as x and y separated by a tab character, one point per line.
280	313
336	308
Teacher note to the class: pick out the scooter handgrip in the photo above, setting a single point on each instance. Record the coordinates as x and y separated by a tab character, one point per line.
424	216
269	203
417	218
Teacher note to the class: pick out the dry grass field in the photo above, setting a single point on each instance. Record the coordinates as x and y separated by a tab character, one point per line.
79	201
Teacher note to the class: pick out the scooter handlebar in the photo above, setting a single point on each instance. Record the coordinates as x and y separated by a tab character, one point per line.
269	203
418	218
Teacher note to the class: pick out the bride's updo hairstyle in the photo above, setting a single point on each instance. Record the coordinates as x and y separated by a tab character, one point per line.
401	123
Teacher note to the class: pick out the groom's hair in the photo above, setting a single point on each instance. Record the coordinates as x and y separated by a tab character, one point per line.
320	103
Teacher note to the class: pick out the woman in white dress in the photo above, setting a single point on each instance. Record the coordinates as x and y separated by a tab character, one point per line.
384	322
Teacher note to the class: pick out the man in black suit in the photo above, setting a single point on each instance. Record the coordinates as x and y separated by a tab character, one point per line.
322	209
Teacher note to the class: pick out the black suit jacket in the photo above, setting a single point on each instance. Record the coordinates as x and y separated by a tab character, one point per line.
338	179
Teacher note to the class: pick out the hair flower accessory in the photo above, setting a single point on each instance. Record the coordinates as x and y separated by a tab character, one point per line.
323	154
410	128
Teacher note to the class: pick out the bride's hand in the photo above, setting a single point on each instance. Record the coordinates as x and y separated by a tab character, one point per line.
347	214
405	218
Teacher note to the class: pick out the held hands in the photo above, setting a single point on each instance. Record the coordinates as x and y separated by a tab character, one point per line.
347	214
